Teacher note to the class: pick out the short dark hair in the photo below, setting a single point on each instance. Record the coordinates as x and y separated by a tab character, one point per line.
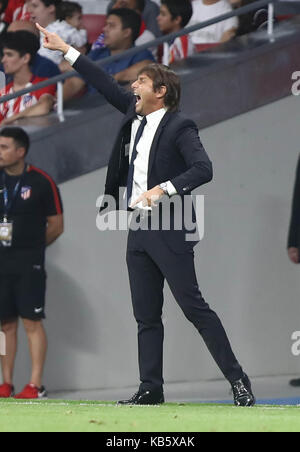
140	5
22	42
163	76
19	136
56	3
180	8
130	19
67	9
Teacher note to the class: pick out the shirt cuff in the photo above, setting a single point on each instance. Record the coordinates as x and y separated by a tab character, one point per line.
171	189
72	56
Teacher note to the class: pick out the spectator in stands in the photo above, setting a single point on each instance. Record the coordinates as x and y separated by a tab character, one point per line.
121	30
41	66
150	13
175	15
10	11
252	21
70	15
137	6
22	12
15	10
217	33
47	12
294	235
19	50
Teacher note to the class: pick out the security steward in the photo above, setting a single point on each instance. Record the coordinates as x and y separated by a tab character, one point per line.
31	218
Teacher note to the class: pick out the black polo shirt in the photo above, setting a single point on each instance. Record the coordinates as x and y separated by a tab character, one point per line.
38	198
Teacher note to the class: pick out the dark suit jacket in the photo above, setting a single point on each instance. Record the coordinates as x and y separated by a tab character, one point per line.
176	153
294	233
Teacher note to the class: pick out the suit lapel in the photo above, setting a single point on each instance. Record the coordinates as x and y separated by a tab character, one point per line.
157	135
130	115
117	159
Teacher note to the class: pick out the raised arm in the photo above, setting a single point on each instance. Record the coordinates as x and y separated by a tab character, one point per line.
92	73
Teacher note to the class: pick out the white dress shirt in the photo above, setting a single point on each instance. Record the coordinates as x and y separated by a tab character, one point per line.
141	163
213	33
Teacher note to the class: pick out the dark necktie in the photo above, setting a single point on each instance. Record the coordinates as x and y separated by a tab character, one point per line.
134	155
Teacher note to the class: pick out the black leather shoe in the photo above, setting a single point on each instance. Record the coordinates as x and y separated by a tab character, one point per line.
143	397
242	392
295	383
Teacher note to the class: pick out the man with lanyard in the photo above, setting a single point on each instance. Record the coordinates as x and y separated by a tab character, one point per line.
30	219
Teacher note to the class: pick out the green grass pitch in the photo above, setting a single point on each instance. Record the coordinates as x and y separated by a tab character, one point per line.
70	416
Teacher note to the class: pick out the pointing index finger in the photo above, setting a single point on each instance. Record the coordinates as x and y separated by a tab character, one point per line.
137	201
43	30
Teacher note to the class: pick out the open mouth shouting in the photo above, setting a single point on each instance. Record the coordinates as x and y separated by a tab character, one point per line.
138	100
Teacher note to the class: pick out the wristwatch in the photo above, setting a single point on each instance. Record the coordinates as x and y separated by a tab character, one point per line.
164	187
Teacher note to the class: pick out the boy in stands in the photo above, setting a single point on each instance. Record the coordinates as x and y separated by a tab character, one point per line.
174	16
19	50
41	66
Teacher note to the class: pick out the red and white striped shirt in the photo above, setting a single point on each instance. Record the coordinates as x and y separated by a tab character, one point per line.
181	48
12	6
21	13
15	106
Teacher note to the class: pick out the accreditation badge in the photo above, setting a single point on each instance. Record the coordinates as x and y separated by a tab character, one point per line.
6	233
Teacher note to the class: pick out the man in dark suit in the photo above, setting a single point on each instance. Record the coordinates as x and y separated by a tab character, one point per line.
157	154
294	235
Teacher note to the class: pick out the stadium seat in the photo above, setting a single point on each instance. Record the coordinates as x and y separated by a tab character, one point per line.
94	24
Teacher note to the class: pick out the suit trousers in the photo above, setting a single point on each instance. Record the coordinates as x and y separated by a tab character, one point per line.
151	262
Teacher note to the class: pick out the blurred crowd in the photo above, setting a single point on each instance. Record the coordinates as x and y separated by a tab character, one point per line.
128	23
